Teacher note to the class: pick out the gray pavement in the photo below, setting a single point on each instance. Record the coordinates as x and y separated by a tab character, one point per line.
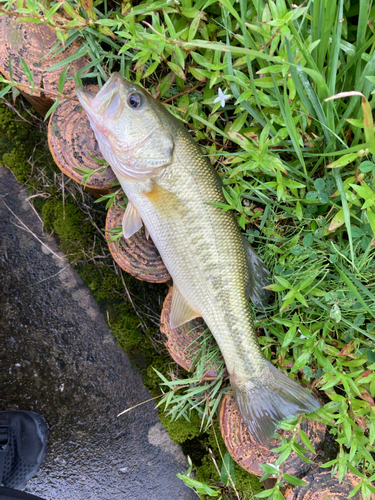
58	358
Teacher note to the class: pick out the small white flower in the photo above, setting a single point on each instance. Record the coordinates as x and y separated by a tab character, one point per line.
222	98
277	467
302	336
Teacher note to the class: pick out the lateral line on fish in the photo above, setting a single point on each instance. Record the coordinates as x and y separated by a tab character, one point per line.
187	169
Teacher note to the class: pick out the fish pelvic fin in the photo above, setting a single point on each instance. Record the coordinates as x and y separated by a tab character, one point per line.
131	221
266	400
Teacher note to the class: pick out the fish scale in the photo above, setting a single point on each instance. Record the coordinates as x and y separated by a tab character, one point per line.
207	260
171	187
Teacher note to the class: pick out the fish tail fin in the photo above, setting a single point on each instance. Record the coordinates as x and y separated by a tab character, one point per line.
265	401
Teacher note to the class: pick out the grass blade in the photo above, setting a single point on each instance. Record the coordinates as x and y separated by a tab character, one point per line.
77	54
345	207
27	72
62	79
52	109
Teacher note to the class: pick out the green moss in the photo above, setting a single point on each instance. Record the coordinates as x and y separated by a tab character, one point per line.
126	330
182	429
246	484
14	132
69	224
64	219
102	283
18	138
14	143
16	162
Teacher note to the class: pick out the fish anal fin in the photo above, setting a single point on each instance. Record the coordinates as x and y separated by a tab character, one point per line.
131	222
181	311
259	276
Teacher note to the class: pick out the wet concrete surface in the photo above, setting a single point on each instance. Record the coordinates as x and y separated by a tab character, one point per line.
58	358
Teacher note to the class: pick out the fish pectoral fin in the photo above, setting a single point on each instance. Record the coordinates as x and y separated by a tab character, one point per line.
131	222
259	276
166	203
157	194
181	311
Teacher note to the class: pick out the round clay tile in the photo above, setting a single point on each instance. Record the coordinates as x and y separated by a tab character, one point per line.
73	146
137	255
32	42
321	486
248	453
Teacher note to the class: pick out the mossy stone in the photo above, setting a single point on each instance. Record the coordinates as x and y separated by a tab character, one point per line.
16	162
14	142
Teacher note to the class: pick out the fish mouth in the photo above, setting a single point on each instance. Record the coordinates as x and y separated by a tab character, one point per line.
96	104
111	86
85	97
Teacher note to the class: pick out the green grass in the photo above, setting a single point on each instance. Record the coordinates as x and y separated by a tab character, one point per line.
299	171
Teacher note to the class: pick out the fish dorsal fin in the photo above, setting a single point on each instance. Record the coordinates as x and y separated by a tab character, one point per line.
131	222
181	311
259	276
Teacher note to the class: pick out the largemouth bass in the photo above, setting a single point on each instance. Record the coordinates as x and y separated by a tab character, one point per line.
170	186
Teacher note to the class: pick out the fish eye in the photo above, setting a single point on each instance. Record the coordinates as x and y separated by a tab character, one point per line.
135	100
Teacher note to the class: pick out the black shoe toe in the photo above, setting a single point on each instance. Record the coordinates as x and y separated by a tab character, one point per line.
23	446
